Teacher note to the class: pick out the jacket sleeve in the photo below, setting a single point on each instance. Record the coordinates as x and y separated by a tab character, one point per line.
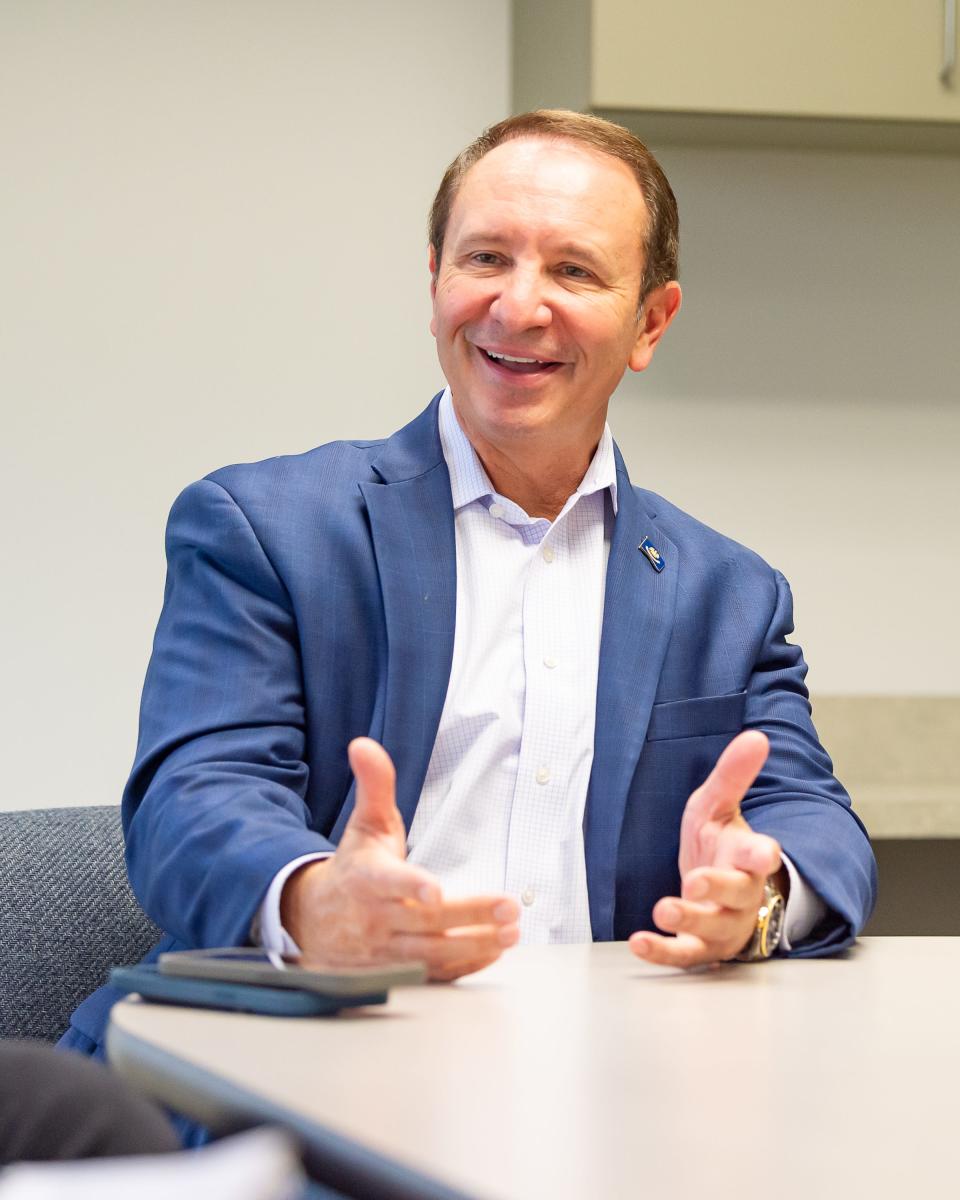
215	804
796	797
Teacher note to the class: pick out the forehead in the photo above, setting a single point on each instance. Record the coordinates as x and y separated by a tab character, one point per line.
552	181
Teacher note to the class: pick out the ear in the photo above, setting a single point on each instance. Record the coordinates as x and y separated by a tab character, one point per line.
432	264
659	309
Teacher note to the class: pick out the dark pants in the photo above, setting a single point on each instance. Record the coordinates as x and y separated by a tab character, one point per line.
56	1105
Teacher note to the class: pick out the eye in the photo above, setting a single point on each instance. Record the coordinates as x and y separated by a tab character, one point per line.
572	271
485	258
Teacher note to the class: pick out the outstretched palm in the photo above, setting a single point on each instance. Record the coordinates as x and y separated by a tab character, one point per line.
723	866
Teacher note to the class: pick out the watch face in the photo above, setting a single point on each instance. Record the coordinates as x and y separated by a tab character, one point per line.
775	910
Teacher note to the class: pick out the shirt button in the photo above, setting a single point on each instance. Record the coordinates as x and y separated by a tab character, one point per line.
550	662
497	510
548	555
543	775
528	895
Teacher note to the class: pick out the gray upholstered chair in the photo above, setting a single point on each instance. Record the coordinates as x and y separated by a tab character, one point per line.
67	914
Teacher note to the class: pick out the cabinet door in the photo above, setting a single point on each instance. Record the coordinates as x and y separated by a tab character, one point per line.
876	59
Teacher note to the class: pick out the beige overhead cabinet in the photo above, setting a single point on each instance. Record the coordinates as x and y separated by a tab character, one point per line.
873	72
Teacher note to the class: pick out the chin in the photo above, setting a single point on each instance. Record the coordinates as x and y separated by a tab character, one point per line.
520	419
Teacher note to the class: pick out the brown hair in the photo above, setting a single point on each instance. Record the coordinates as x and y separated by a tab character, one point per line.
661	244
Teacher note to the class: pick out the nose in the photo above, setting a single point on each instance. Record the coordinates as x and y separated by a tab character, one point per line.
521	300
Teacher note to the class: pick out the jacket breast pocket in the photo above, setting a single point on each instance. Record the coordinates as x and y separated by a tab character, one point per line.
703	716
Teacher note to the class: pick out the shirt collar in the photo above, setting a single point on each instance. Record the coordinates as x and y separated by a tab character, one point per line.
469	481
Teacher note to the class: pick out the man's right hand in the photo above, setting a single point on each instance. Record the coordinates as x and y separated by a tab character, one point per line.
366	904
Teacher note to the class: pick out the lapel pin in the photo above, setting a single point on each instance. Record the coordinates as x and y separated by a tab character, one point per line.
654	557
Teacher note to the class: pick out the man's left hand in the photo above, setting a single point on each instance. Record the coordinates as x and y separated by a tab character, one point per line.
723	867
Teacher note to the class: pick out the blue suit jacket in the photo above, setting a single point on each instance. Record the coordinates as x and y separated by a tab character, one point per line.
310	599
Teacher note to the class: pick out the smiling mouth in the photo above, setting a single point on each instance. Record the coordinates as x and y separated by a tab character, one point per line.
515	365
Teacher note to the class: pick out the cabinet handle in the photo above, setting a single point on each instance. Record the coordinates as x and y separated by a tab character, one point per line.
949	42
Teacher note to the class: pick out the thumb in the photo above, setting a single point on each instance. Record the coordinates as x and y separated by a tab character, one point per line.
375	811
718	797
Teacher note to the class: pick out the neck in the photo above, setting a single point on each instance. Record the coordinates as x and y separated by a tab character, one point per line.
541	483
540	466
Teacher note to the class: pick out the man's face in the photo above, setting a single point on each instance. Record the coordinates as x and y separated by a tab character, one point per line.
542	262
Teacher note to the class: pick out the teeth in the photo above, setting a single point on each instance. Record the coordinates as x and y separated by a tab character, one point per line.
511	358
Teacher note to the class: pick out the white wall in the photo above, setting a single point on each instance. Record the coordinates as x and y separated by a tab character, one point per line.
213	249
807	401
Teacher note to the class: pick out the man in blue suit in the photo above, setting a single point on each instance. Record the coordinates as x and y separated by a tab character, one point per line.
424	697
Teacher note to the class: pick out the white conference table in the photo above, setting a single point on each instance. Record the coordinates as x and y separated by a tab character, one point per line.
578	1071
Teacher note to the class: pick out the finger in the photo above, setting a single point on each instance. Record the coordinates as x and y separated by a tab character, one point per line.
452	914
672	914
685	950
443	951
726	888
754	853
375	809
456	970
718	797
725	929
465	964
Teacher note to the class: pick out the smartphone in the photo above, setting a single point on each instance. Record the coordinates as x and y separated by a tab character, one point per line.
252	965
152	984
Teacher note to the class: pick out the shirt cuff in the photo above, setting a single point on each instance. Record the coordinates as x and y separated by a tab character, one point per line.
803	910
268	930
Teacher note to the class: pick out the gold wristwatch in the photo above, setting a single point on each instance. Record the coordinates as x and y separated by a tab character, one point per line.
766	935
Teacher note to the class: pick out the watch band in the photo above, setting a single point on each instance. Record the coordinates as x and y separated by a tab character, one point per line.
769	927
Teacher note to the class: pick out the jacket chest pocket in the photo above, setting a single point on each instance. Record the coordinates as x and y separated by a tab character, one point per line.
703	716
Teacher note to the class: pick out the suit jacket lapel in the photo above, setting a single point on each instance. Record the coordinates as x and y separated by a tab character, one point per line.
637	621
411	522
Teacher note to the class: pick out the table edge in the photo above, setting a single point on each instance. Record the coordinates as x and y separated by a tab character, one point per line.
224	1107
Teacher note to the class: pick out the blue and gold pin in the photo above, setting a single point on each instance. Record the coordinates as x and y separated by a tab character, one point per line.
654	557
